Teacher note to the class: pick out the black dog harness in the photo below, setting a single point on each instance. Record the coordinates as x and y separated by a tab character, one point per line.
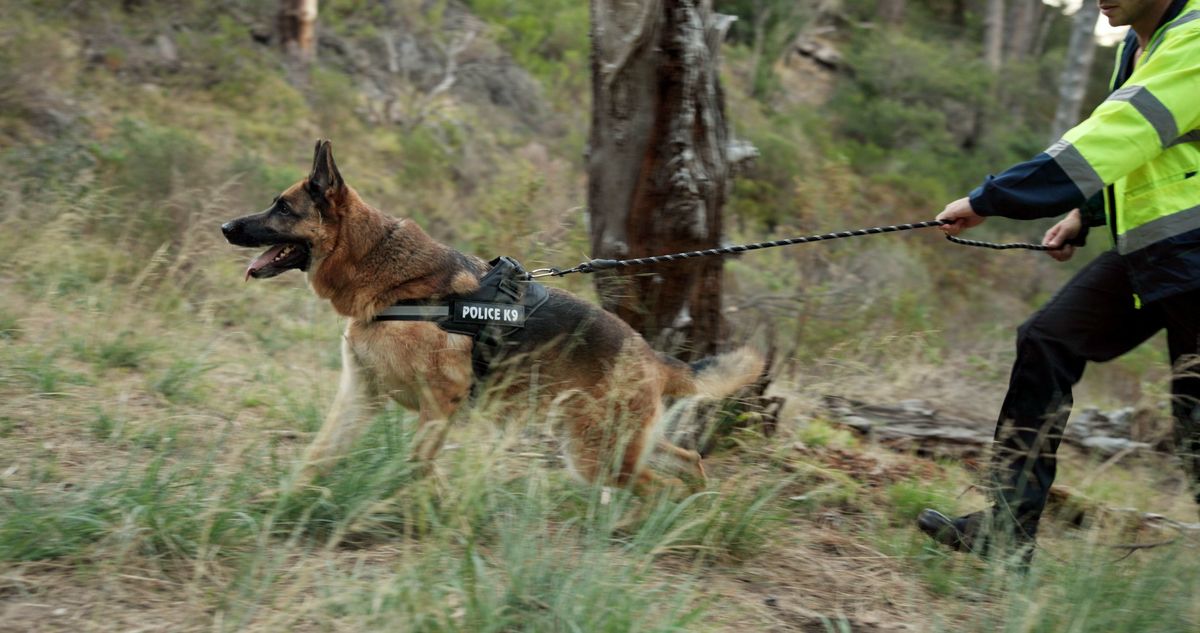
493	316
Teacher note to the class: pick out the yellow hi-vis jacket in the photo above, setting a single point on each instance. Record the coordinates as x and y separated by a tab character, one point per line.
1141	148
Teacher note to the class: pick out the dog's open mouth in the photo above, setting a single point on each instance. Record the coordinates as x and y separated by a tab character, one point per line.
277	259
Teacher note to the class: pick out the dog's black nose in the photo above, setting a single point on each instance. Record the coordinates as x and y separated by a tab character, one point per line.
227	228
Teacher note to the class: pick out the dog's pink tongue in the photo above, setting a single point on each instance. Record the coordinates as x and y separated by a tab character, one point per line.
264	259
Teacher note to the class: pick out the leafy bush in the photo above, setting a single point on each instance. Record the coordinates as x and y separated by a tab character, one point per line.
549	38
38	65
910	96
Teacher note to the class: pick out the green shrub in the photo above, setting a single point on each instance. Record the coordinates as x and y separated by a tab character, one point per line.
230	68
38	63
547	37
144	160
261	179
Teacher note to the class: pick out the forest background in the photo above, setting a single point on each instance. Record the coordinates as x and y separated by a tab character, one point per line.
148	396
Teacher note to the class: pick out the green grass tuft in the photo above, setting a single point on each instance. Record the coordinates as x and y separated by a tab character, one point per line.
820	433
359	496
125	350
10	326
910	497
182	380
41	372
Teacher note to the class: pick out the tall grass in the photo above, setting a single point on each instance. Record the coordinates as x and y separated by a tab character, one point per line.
1087	586
498	544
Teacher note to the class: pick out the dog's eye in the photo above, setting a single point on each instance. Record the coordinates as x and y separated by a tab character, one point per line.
284	209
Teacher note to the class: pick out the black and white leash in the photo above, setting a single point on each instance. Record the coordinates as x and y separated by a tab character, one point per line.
592	266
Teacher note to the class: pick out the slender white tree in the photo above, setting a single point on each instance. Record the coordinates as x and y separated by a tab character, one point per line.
993	35
1072	83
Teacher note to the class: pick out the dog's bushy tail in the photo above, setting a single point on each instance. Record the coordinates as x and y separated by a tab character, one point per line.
716	376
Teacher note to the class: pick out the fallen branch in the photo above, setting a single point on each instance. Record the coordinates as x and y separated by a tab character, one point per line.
1134	547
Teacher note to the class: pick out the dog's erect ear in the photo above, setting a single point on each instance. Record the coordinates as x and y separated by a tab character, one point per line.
325	182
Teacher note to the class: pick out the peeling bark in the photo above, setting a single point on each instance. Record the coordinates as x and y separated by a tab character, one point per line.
298	28
658	164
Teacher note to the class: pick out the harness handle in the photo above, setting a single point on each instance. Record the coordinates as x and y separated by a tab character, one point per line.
593	265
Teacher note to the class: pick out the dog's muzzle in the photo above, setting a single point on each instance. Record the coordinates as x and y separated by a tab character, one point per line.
231	230
285	252
235	233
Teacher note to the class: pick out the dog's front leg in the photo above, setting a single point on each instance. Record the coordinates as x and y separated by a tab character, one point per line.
437	407
356	401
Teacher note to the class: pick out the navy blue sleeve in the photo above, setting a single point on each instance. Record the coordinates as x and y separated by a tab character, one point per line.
1037	188
1092	213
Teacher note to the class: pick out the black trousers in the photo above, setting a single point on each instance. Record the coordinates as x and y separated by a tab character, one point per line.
1092	318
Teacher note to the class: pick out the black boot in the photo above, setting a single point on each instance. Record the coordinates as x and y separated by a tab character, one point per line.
981	533
962	534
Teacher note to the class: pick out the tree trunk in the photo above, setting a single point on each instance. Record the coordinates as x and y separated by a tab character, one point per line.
298	29
762	14
890	12
958	13
993	35
1045	25
1072	84
1022	32
659	165
1022	28
993	56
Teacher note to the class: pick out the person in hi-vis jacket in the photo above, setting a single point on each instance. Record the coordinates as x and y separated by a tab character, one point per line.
1132	165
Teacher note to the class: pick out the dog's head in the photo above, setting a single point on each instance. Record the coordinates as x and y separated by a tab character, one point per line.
301	224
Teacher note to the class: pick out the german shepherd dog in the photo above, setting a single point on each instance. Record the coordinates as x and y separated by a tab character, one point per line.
596	377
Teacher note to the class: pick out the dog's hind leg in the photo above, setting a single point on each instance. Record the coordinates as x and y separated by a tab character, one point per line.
688	456
355	402
645	439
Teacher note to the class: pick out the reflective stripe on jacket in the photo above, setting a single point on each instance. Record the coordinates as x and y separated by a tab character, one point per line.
1141	147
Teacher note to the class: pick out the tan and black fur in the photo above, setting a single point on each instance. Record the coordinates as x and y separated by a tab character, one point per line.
595	375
